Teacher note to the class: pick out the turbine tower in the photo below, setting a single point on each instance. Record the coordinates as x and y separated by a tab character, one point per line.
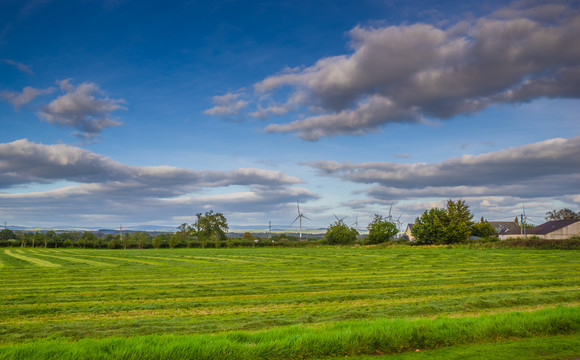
299	217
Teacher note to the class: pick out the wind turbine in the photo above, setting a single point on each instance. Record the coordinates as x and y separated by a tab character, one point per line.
390	217
355	224
340	221
399	222
299	217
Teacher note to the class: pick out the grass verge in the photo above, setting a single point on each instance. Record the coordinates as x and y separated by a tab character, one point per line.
345	338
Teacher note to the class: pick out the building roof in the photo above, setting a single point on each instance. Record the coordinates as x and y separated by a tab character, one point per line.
550	226
502	226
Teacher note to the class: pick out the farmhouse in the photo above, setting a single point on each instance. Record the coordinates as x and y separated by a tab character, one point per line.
551	230
409	233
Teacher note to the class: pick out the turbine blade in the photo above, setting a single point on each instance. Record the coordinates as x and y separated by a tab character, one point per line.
297	217
306	217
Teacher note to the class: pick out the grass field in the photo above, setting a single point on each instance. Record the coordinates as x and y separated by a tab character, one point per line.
274	303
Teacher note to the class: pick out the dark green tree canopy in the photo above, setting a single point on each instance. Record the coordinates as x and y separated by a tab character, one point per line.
483	229
339	233
7	234
381	230
211	226
444	226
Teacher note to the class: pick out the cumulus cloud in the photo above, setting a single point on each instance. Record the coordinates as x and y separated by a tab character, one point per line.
19	99
409	73
98	185
84	107
545	169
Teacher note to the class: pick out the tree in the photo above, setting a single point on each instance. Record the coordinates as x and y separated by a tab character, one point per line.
7	234
483	229
49	237
429	229
340	234
174	240
157	241
142	239
444	226
181	235
562	214
211	226
87	238
381	230
459	221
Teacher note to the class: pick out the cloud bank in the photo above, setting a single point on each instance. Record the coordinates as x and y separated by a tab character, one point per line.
547	169
96	185
412	73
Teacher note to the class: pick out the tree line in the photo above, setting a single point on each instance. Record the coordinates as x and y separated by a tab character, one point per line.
437	226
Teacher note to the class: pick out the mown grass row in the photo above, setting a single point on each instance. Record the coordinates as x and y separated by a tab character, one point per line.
346	338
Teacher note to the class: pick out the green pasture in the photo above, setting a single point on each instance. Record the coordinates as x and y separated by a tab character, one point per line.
277	302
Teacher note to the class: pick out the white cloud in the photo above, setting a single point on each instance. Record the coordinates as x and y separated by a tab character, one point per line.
409	73
84	107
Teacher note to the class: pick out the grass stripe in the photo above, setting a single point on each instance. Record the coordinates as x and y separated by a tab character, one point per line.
35	261
76	260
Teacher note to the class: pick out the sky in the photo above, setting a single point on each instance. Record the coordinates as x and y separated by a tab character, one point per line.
144	113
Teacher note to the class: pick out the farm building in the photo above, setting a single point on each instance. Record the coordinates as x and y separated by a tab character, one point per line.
503	226
409	233
551	230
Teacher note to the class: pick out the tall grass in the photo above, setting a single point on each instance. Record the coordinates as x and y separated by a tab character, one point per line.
346	338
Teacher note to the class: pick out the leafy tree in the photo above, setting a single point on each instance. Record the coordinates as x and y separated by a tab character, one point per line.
339	233
38	238
142	239
562	214
459	221
211	226
49	237
157	241
181	236
126	240
483	229
7	234
429	228
175	240
87	238
381	230
444	226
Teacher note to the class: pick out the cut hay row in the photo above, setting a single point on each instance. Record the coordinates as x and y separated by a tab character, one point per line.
71	299
76	260
332	307
35	261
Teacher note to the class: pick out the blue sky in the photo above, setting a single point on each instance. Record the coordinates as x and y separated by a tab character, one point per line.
144	112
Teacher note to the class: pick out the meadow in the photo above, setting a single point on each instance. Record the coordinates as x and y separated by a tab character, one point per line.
288	303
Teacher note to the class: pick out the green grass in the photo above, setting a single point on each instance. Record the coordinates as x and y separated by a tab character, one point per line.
103	297
347	338
536	348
